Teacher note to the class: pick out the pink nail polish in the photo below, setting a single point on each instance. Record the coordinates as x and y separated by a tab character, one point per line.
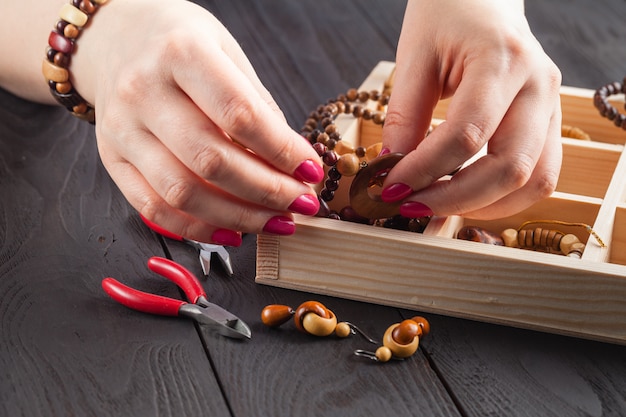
306	204
280	225
413	209
384	151
395	192
309	171
226	237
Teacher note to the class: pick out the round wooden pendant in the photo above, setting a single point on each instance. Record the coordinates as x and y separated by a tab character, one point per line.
367	186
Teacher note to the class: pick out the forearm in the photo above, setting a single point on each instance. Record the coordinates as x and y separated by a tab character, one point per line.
24	33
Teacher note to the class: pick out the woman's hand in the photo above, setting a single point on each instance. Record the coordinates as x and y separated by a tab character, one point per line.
505	93
184	126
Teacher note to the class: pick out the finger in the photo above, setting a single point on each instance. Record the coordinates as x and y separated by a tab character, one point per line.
509	165
204	148
229	98
475	112
540	186
178	188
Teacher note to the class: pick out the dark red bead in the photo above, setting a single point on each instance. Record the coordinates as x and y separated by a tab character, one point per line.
60	43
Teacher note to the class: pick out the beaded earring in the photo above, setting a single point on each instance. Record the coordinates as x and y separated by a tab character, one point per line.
311	317
400	340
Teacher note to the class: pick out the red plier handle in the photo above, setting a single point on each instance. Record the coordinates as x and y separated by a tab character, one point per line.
157	304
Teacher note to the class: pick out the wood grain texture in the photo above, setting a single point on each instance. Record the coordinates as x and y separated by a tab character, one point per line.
65	347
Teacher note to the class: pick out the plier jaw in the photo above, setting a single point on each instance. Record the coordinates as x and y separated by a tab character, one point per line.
217	319
205	249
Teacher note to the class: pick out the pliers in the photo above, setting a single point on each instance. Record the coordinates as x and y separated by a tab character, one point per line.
198	308
205	249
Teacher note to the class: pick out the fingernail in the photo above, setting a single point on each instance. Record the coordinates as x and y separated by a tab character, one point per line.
226	237
395	192
306	204
413	209
309	171
280	225
384	151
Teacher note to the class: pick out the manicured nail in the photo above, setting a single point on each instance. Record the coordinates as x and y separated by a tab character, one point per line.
413	209
384	151
306	204
309	171
226	237
280	225
395	192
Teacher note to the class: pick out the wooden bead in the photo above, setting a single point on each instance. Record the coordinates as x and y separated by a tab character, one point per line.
73	15
274	315
423	324
478	234
309	307
348	165
343	329
383	354
509	237
53	72
576	250
405	332
399	350
567	241
319	326
64	88
60	43
70	31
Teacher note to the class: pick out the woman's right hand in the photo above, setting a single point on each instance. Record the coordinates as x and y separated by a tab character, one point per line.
184	126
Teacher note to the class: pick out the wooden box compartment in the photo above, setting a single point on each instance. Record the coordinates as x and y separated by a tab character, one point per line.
435	272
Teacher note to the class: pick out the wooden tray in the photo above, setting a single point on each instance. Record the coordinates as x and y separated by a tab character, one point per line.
434	272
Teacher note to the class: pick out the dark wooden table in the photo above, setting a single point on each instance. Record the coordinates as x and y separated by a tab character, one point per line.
66	349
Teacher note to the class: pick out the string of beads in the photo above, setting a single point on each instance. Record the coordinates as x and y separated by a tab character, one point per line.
345	160
606	109
61	44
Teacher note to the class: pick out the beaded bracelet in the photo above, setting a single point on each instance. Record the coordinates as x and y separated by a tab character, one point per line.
73	18
601	102
343	159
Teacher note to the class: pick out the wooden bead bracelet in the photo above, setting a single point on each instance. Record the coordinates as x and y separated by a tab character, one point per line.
601	102
343	159
61	43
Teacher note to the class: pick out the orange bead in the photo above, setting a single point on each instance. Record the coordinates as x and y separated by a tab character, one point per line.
274	315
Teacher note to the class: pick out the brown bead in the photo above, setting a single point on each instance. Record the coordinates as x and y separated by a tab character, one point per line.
423	324
352	94
275	314
379	118
363	96
60	43
87	7
60	59
330	128
80	108
478	234
63	88
348	214
405	332
70	31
